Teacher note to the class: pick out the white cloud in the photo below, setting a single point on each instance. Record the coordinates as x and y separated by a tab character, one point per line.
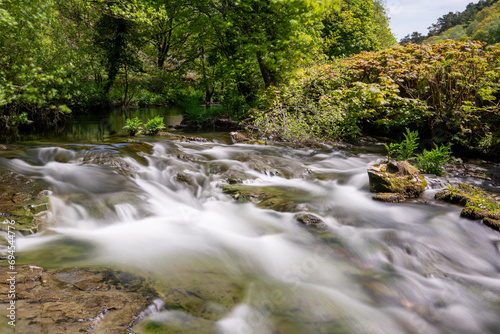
408	16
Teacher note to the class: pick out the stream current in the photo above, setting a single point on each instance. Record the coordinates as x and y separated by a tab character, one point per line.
242	263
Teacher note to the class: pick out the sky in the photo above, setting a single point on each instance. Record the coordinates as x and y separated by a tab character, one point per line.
408	16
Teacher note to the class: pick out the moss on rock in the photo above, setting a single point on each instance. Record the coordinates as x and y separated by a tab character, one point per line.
389	197
398	177
477	203
267	197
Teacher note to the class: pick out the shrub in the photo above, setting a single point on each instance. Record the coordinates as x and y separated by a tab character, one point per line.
144	98
432	161
405	149
133	125
154	125
453	86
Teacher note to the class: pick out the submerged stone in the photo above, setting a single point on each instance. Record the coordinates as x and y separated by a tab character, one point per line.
268	197
398	177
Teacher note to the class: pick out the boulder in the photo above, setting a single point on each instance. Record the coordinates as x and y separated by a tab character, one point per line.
398	177
477	203
239	138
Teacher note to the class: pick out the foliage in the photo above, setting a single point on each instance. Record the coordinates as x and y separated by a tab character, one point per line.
480	21
403	150
473	197
451	87
427	161
432	161
34	74
133	125
136	53
154	125
359	25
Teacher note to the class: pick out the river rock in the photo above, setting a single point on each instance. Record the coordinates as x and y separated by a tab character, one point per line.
76	300
493	223
239	138
477	203
268	197
309	219
389	197
398	177
22	200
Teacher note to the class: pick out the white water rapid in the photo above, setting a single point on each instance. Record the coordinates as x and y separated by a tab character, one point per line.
226	265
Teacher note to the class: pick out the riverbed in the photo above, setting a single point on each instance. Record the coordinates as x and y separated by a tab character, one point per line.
241	261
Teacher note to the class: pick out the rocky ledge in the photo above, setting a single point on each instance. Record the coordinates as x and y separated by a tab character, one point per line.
76	300
477	203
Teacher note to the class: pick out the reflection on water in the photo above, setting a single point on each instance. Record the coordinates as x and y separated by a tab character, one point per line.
99	126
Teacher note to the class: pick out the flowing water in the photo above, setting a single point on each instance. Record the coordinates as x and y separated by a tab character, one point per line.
223	265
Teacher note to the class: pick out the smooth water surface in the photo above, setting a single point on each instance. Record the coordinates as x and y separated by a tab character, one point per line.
93	127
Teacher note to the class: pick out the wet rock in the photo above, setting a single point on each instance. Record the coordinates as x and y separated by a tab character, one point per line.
396	177
274	198
389	197
239	138
22	200
452	197
112	161
309	219
174	136
76	300
477	203
493	223
479	213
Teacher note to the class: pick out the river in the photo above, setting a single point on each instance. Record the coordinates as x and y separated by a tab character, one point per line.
160	208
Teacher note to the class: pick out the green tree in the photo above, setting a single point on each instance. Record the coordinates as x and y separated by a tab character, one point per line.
34	74
358	26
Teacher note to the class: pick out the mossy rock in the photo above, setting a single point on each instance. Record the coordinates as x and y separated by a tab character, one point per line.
478	204
23	201
281	199
493	223
309	219
398	177
389	197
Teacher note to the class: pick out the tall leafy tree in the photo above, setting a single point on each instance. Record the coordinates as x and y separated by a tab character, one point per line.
359	25
33	71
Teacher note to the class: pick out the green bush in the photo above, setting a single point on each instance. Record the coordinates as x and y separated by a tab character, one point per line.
144	98
452	86
154	125
133	125
432	161
405	149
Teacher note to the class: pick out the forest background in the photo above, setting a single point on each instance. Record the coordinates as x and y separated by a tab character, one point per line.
301	71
